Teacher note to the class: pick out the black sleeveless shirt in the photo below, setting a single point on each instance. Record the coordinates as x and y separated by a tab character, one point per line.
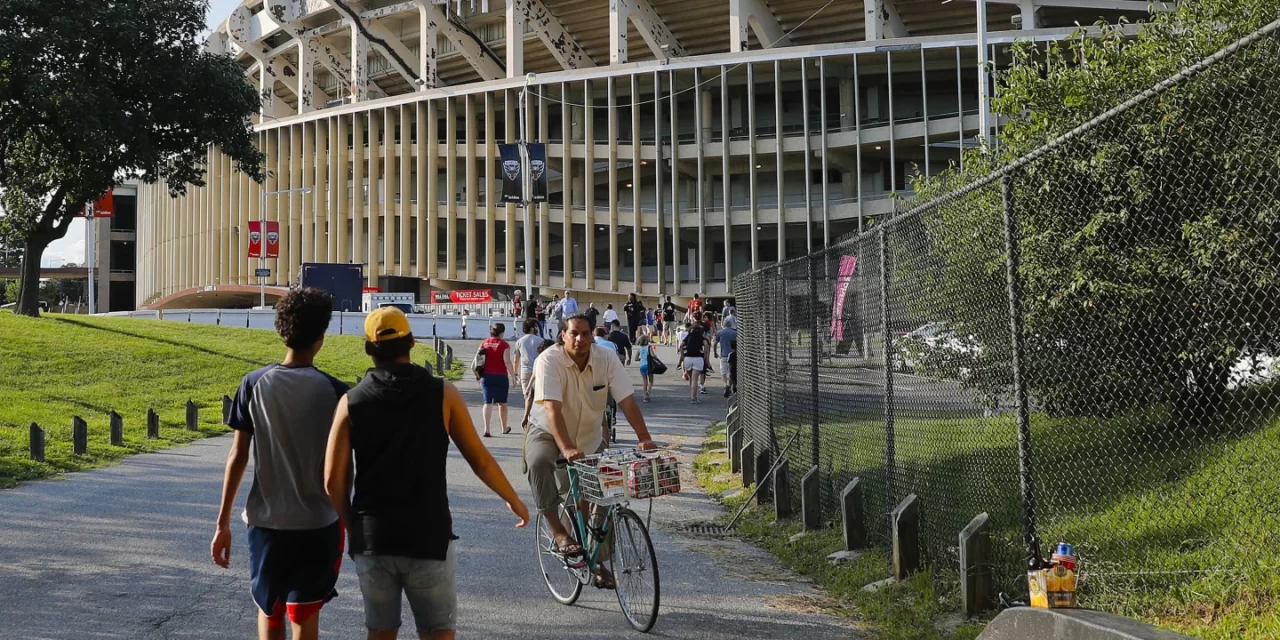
401	502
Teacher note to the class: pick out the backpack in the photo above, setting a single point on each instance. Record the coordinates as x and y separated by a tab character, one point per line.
477	362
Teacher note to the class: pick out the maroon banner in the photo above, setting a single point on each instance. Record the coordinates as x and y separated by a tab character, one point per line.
273	239
255	239
847	266
103	207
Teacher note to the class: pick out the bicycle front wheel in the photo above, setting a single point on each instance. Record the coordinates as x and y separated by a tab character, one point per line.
562	581
635	569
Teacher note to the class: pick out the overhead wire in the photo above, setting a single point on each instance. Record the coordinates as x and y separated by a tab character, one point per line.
534	88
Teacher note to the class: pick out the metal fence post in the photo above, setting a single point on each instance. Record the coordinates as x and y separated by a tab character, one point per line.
890	492
1026	475
814	357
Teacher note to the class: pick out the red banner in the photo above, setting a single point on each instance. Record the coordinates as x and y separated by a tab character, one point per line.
847	266
471	296
103	207
255	239
273	239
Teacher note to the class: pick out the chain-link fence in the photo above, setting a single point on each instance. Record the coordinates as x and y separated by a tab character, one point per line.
1085	345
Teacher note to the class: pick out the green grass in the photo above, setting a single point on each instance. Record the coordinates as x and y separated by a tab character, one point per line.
924	607
1175	525
58	366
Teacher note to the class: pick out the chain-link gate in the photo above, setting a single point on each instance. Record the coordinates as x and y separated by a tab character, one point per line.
1080	344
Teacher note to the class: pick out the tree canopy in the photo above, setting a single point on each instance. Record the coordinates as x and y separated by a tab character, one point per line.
1147	244
95	93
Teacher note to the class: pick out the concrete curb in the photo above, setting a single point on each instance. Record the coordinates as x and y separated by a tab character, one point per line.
1019	623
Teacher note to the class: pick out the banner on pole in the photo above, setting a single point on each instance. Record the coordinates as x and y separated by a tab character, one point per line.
255	239
845	276
103	207
512	181
538	171
273	239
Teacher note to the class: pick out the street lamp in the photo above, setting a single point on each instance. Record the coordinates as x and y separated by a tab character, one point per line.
984	115
262	254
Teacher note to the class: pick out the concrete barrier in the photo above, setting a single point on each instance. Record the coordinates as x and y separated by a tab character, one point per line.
351	323
262	319
450	327
422	325
1018	623
145	315
234	318
177	315
204	316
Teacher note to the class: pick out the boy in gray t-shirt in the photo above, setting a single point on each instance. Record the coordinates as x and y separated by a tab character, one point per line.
281	414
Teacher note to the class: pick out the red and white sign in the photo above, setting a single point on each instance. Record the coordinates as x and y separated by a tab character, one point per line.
273	239
103	207
371	290
255	239
467	296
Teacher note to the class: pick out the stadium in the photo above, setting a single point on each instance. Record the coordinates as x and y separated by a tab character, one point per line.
687	141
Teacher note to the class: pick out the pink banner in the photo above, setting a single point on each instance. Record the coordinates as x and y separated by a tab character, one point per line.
847	265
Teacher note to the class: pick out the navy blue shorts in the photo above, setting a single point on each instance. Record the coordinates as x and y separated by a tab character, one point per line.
495	386
294	570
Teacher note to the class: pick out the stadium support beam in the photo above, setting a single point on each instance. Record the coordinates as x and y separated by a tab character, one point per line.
650	25
403	61
754	14
1110	5
883	20
562	45
434	18
238	31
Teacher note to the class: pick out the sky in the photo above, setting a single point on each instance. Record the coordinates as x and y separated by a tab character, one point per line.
71	247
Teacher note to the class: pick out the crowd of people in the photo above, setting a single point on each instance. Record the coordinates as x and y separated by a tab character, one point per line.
361	470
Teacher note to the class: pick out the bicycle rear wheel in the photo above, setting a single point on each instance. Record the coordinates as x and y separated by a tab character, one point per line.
635	569
562	581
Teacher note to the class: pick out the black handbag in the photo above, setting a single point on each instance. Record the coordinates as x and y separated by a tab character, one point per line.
656	366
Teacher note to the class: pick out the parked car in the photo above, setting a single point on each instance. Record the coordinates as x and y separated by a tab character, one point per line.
936	350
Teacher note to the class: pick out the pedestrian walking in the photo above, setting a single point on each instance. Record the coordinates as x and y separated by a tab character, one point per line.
610	315
725	340
526	351
643	355
693	357
620	341
593	315
541	316
496	376
668	321
389	442
294	535
635	315
555	317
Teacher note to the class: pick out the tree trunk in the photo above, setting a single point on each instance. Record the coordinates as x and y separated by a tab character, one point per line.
29	280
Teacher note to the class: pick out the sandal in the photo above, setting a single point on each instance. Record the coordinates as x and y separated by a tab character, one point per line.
506	431
486	434
568	548
604	580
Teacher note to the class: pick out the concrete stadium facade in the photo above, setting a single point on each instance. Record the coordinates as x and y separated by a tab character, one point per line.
687	141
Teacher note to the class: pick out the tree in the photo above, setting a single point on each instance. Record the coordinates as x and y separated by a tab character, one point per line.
94	93
1148	244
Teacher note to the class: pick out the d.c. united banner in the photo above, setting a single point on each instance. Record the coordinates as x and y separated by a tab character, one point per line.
538	171
255	239
273	239
847	265
512	181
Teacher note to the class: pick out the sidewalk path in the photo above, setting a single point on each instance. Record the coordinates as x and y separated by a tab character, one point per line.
122	552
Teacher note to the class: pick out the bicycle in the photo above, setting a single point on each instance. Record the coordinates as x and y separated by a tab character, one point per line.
607	481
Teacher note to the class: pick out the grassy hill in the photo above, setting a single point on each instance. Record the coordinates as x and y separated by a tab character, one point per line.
57	367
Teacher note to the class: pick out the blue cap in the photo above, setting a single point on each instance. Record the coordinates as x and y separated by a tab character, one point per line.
1065	549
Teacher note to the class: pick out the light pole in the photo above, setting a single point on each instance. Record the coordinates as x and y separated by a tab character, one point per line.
262	253
526	192
984	112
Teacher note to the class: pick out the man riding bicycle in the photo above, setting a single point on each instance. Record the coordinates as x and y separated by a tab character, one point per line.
572	383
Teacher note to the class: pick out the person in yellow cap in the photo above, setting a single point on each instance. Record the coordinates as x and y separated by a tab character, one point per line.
397	425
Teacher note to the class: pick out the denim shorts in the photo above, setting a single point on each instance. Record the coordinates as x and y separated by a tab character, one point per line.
430	586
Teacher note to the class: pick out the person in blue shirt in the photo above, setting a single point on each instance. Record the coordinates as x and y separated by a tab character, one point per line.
569	305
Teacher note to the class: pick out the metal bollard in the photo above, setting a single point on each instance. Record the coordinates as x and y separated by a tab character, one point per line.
79	436
117	430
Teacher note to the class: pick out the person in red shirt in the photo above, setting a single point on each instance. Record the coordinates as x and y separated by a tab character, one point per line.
694	313
495	378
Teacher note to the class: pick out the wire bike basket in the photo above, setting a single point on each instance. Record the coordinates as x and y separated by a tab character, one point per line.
615	477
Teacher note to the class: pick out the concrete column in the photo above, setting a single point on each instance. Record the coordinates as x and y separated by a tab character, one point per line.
425	194
359	89
544	209
473	186
387	192
589	195
308	219
321	205
433	194
515	38
491	198
568	123
613	184
451	183
339	192
428	49
374	208
359	127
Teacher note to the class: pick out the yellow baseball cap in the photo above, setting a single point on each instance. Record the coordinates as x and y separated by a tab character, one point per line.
386	323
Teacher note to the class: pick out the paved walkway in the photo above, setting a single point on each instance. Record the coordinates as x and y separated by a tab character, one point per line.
122	552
